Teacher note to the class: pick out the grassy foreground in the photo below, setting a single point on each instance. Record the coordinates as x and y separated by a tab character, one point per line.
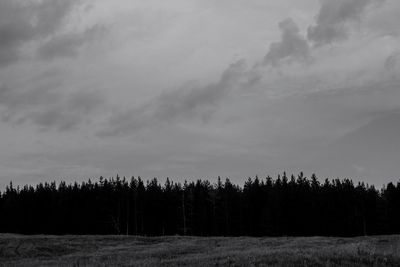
17	250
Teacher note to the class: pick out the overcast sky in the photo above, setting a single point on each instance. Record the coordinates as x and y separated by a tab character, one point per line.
192	89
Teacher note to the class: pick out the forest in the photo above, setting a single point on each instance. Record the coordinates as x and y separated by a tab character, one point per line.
282	206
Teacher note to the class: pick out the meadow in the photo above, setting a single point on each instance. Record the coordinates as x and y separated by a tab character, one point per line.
20	250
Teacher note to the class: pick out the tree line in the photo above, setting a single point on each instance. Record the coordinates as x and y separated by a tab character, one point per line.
285	206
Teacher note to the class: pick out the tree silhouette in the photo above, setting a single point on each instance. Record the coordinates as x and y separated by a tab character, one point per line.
295	206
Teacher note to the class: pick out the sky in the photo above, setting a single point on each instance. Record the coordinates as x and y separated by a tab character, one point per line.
196	89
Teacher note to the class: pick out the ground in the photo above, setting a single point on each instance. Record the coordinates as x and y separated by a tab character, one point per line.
18	250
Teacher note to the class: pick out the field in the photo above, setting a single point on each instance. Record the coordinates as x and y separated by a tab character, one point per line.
18	250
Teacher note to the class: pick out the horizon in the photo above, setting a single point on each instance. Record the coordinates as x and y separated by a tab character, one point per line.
198	88
213	181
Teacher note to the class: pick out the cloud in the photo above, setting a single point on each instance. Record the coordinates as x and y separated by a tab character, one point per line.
192	102
292	46
46	106
54	117
16	100
67	45
181	103
329	70
85	102
32	93
333	18
392	61
385	21
68	113
25	21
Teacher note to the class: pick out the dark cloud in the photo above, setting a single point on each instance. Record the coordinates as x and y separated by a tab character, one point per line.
392	61
24	21
40	100
55	117
15	100
85	102
292	46
192	102
333	17
67	113
47	107
68	45
182	103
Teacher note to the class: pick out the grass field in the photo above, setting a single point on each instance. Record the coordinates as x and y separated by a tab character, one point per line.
17	250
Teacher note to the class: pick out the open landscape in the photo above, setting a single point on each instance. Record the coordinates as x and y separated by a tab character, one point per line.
199	133
19	250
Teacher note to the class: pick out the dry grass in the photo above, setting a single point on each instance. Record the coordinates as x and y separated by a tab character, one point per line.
17	250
